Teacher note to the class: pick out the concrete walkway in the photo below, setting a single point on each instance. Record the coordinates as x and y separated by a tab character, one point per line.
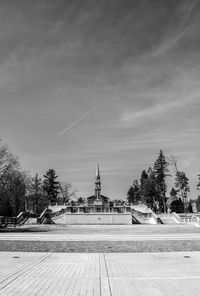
114	274
95	237
101	233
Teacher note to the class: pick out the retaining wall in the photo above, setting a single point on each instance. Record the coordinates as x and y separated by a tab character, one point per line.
93	218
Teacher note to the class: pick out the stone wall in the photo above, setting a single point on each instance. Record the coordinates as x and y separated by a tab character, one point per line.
93	218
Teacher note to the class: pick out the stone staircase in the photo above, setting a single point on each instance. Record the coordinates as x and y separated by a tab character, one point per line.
143	218
168	219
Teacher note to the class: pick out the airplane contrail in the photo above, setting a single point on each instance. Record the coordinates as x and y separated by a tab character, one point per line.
77	121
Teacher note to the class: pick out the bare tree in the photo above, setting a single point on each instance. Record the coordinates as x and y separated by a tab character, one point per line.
7	161
173	162
66	192
181	181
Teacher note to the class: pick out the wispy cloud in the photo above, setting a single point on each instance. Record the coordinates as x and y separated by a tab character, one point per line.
171	39
157	110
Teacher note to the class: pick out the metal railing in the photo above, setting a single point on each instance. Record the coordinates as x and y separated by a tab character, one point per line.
187	220
13	221
44	215
176	217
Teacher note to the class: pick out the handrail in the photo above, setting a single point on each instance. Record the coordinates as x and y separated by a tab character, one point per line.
176	217
8	220
22	217
58	213
153	214
43	215
187	219
76	209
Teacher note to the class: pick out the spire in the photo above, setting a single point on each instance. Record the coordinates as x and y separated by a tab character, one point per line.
97	173
97	183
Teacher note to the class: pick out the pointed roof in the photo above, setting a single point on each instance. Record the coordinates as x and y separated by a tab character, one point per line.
97	173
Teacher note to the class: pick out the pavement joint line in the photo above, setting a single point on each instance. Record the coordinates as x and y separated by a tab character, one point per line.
74	272
37	263
107	274
121	269
97	234
153	278
22	269
92	238
105	240
100	277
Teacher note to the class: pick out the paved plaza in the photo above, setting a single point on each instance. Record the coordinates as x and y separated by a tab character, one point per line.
100	273
139	274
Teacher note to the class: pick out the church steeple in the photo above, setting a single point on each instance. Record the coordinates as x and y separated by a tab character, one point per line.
97	184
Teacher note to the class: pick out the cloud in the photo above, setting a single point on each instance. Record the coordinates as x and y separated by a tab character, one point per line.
178	30
157	111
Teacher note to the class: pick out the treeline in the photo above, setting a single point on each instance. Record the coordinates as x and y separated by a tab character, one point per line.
151	189
20	192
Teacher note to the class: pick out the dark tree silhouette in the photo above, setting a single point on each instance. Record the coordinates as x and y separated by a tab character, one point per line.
133	194
161	171
50	185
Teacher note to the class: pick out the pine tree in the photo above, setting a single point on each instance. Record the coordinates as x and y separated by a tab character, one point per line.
198	184
177	206
143	186
133	194
50	185
144	177
161	172
182	185
173	192
152	199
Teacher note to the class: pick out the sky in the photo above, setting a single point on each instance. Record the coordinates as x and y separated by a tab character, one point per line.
101	81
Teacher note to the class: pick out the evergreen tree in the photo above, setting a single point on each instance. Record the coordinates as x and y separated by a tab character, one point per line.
198	184
133	194
173	192
177	206
161	172
152	199
50	185
148	193
80	200
182	185
144	177
174	203
143	186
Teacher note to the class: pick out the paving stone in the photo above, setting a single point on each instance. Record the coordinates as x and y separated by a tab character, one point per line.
113	274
